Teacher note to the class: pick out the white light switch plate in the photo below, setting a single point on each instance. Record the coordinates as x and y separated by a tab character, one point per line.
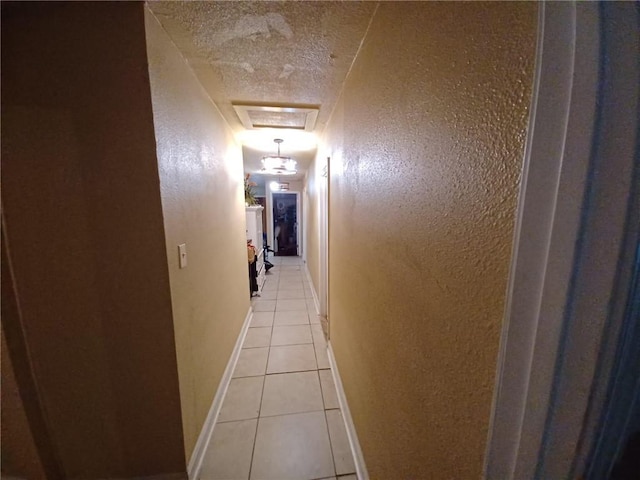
182	255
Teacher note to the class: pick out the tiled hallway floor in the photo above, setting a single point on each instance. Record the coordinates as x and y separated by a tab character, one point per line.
280	418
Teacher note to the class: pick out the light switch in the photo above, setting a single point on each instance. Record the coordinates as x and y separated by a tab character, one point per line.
182	253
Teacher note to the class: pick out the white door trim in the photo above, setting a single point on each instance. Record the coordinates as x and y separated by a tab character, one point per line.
323	231
570	230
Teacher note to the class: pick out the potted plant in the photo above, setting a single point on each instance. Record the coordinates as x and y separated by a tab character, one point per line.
249	198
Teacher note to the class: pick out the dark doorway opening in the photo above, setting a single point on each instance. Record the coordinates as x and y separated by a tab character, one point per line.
285	224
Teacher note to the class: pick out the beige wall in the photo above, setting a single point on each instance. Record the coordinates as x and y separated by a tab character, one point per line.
84	229
203	205
426	145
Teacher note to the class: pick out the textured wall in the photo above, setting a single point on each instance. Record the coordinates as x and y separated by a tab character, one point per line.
426	143
81	202
203	204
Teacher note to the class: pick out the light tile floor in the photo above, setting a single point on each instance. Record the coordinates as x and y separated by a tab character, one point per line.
280	418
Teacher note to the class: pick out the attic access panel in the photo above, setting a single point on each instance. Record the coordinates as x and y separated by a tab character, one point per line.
271	116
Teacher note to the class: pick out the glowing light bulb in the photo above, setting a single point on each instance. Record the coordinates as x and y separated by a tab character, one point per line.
274	186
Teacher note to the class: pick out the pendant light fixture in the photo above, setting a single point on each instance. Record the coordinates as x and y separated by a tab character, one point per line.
278	164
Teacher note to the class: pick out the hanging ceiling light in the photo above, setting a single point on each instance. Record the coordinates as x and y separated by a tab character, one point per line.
278	164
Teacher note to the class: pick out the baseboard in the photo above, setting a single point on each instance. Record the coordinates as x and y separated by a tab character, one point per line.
316	302
358	458
195	462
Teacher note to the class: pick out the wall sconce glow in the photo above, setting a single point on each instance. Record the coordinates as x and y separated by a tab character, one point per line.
275	186
262	139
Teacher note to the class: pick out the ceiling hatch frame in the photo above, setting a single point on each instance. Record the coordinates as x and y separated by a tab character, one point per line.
308	113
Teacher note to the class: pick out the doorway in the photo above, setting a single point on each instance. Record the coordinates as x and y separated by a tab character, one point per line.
285	223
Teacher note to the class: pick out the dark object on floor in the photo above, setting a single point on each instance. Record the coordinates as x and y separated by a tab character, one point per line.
253	278
287	251
267	265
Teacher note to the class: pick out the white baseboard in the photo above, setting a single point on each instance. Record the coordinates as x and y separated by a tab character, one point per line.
358	458
316	302
195	462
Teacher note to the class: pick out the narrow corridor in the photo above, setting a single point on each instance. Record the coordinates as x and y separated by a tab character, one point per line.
280	418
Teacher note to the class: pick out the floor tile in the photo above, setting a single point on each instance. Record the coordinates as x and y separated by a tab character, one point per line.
290	294
270	294
242	400
291	335
290	268
340	443
291	358
230	450
314	318
302	449
290	305
287	393
257	337
264	305
351	476
300	317
291	276
285	284
318	336
262	319
286	274
322	356
329	394
251	362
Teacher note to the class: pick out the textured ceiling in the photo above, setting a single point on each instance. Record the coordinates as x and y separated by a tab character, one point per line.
268	53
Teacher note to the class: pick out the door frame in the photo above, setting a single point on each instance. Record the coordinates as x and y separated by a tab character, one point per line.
575	223
299	221
323	232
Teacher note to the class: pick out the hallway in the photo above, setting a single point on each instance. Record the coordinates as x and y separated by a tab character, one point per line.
280	418
469	268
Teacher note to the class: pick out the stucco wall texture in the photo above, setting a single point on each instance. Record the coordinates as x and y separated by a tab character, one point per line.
201	182
83	223
427	143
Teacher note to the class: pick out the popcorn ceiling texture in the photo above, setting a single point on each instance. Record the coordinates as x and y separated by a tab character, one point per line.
291	52
426	145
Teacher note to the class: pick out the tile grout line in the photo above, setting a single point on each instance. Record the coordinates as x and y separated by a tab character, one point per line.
264	380
317	370
333	453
